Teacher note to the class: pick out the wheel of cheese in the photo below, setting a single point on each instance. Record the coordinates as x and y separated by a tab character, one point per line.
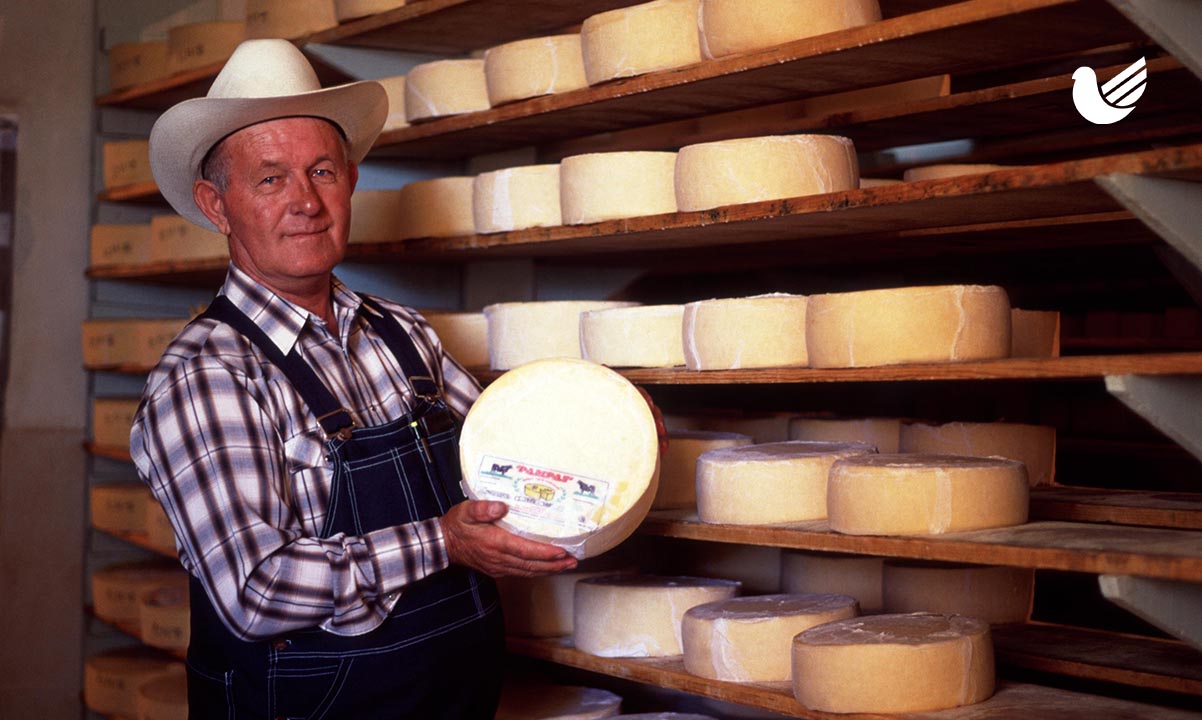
195	45
854	575
640	39
376	215
394	88
730	172
768	484
768	428
556	702
441	207
750	639
542	606
1032	445
884	434
878	182
1034	333
445	87
288	19
728	27
164	697
126	162
570	446
519	333
112	679
534	67
112	420
120	507
937	172
989	593
159	533
608	186
119	245
641	336
640	615
163	615
678	465
351	9
893	664
117	591
516	199
757	567
925	494
464	336
174	238
136	63
752	332
908	325
99	342
149	338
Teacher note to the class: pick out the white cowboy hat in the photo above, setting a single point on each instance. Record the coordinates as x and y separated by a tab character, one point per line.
263	80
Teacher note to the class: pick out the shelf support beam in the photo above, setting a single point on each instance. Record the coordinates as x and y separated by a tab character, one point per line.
1176	25
1170	208
1169	402
1175	607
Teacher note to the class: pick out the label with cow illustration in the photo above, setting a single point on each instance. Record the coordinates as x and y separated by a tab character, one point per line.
571	503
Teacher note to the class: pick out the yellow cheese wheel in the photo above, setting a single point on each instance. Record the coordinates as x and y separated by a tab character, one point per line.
767	484
117	591
570	446
908	325
173	238
351	9
120	507
948	170
678	466
516	199
127	341
376	216
893	663
112	420
288	19
640	615
989	593
751	332
542	606
642	336
394	88
736	26
609	186
556	702
463	335
112	679
159	534
1032	445
120	245
126	162
165	697
533	67
100	340
150	338
730	172
925	494
1034	333
136	63
163	615
196	45
640	39
884	434
441	207
445	87
750	639
854	575
519	333
878	182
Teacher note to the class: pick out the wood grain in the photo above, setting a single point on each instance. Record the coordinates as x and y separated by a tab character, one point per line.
138	193
1121	507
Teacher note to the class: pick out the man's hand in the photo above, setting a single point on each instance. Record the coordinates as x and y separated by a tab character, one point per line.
474	540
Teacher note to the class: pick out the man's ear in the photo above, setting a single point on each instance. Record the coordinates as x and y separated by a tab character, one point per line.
354	174
211	202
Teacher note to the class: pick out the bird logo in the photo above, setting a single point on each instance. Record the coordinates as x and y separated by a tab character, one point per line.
1115	99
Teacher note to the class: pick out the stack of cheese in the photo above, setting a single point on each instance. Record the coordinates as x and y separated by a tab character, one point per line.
126	163
119	245
287	19
463	335
113	679
136	63
112	420
174	238
196	45
115	342
117	591
543	606
121	507
163	615
165	697
522	332
1033	445
678	465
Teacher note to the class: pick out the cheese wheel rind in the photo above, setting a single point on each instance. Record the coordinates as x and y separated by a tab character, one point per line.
164	697
120	507
728	27
948	170
135	63
990	593
523	332
640	336
534	67
542	606
854	575
464	336
1033	445
112	679
882	433
640	39
288	19
445	87
196	45
750	332
439	207
678	465
516	199
164	615
595	187
394	88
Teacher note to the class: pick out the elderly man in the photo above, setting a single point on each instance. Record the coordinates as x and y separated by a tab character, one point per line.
302	438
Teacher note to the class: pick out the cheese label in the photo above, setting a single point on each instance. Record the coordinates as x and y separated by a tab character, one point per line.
550	496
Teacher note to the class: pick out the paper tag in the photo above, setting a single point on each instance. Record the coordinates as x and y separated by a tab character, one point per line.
554	497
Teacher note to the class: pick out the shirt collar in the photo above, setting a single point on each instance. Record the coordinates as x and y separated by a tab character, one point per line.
282	320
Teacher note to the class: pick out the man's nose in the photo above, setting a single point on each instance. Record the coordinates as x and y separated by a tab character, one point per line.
305	199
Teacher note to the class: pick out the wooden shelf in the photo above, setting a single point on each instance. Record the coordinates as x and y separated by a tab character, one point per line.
1171	554
139	193
190	272
1122	507
1012	700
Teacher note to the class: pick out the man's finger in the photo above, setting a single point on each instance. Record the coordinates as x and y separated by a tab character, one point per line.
486	511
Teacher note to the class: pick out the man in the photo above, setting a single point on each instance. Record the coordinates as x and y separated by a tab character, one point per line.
302	438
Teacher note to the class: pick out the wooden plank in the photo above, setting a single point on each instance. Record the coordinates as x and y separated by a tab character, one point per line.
1169	554
1012	700
1122	507
139	193
175	272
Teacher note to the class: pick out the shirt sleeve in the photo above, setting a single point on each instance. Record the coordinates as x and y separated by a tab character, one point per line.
205	442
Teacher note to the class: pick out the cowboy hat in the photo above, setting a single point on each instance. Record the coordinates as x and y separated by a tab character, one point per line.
263	80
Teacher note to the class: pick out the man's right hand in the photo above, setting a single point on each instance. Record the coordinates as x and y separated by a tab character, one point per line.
473	539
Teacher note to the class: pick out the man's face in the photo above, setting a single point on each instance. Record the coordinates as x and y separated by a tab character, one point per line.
286	207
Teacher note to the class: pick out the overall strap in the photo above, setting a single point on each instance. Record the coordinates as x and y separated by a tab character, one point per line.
335	420
398	341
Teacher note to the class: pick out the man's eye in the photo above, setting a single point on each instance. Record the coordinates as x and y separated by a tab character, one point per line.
323	172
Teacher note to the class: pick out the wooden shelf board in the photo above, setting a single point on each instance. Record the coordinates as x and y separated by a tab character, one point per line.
1170	554
208	271
137	193
111	452
1010	701
1121	507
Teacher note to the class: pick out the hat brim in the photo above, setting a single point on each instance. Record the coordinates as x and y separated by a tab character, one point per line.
184	134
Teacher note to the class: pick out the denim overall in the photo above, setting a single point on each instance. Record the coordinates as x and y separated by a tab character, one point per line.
439	653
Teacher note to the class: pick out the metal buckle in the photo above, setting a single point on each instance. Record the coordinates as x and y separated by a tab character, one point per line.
424	396
342	434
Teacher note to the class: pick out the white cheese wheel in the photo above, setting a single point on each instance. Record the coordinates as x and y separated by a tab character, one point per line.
750	639
556	702
136	63
542	606
773	427
112	679
174	238
117	591
534	67
948	170
376	216
642	336
519	333
570	446
126	162
288	19
900	663
163	615
1034	333
351	9
609	186
119	245
464	336
678	466
120	507
640	615
908	325
196	45
159	533
925	494
1032	445
768	484
394	88
445	87
730	172
165	697
884	434
112	420
728	27
878	182
440	207
989	593
516	199
854	575
751	332
640	39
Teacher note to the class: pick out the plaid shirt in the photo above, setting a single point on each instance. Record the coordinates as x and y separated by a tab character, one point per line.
238	462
